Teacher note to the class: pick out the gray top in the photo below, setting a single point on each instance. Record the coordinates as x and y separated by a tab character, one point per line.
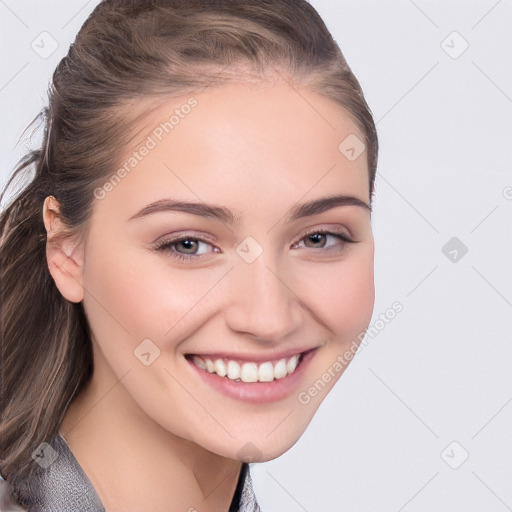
62	486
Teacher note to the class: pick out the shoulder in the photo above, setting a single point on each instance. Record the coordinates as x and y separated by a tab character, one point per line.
7	501
59	482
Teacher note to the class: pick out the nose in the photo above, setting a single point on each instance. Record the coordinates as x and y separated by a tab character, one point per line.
263	302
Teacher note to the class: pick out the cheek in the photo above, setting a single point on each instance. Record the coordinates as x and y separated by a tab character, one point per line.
357	294
342	295
133	294
120	301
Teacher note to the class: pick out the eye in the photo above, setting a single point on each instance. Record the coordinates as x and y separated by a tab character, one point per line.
323	239
191	246
186	247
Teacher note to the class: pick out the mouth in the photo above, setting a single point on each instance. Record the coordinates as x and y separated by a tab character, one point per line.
250	379
250	371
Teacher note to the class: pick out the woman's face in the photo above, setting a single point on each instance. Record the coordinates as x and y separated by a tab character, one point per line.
238	241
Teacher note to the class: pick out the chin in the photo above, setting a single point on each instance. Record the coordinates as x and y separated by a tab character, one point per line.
253	444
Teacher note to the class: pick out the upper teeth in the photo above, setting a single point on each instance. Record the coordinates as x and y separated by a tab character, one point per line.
248	372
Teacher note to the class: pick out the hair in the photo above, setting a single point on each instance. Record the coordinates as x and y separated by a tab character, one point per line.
128	50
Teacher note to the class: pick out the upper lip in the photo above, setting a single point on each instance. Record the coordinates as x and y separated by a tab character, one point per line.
259	357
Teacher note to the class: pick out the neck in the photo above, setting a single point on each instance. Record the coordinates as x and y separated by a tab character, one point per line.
135	464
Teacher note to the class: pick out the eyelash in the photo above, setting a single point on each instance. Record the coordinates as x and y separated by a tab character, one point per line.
340	236
166	246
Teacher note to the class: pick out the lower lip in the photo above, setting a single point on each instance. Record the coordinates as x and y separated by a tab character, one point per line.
257	392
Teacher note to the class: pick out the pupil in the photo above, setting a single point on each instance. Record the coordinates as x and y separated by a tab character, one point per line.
189	245
317	238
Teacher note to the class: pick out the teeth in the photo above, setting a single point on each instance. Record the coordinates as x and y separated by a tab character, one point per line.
280	370
209	365
249	372
220	368
199	362
292	364
266	372
233	370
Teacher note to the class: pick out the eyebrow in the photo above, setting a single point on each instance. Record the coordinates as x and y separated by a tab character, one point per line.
200	209
323	204
225	215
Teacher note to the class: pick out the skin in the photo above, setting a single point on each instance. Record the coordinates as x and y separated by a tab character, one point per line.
157	437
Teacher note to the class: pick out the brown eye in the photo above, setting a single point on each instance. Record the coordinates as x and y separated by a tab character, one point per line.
323	240
186	248
317	240
188	245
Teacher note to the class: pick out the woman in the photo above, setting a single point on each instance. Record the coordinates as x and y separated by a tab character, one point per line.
192	257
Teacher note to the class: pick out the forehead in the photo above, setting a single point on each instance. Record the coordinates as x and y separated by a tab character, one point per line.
241	144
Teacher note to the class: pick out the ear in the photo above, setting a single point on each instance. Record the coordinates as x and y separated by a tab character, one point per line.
64	253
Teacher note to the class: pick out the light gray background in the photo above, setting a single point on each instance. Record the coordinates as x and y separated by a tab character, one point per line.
440	371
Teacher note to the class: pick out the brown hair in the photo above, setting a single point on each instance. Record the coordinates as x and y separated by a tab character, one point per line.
126	50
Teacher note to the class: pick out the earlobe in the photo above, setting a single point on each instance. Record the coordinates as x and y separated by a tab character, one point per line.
64	254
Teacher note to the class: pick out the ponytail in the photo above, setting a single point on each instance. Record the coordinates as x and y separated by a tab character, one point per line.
41	331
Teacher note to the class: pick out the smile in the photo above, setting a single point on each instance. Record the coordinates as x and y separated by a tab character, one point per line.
256	378
266	371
